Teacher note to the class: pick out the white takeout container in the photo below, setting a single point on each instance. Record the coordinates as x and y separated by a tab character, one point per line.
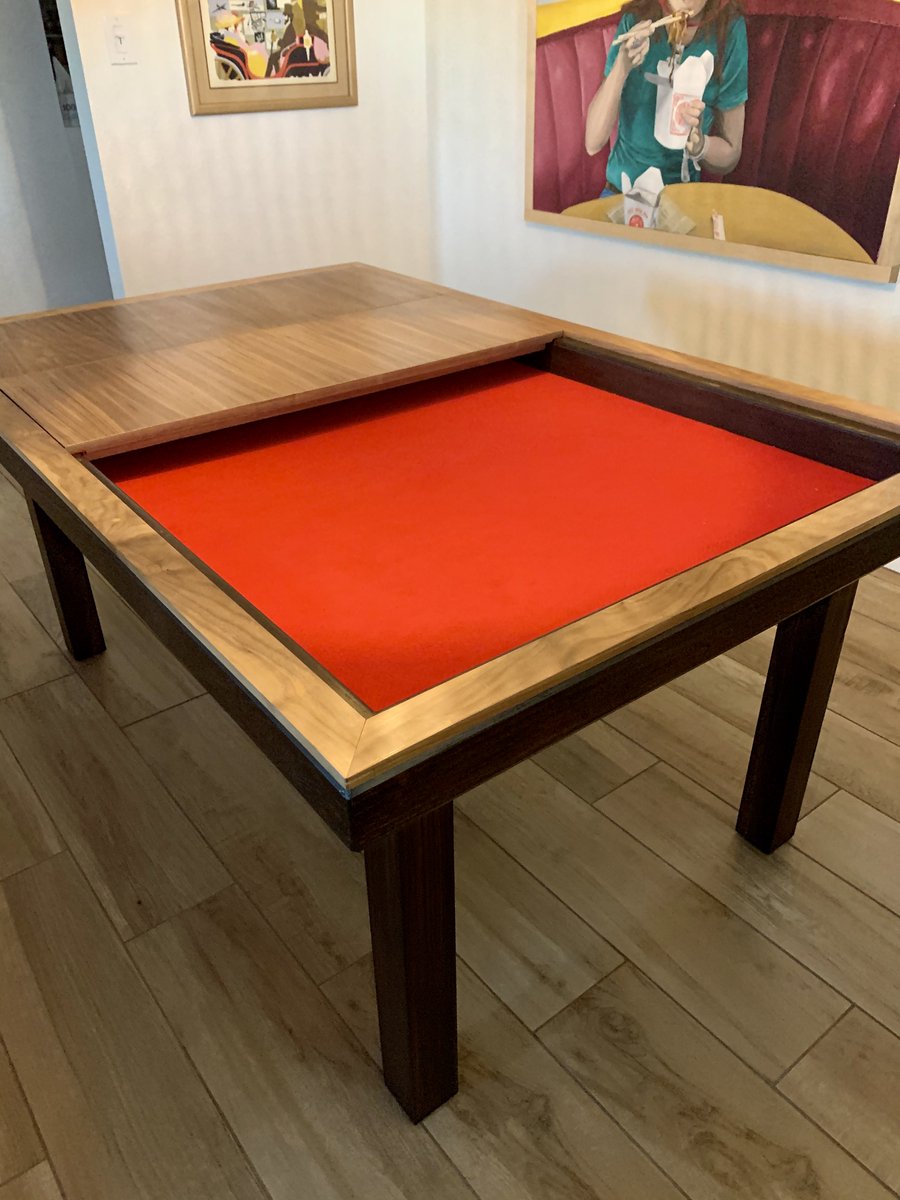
688	83
642	198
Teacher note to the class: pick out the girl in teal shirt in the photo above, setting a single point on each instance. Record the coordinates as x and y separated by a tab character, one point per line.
627	97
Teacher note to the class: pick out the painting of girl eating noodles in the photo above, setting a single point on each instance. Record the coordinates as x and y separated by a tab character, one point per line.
732	127
656	38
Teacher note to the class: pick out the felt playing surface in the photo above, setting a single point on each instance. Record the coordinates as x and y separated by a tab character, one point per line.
406	537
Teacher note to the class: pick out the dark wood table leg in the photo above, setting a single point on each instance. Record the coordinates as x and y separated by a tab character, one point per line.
70	585
412	911
801	672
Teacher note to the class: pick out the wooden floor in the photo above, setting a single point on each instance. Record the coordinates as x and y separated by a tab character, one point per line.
649	1008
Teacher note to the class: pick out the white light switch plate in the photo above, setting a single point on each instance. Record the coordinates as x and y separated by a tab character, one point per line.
121	42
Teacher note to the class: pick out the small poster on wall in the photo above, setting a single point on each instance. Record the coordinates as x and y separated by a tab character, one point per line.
253	55
759	129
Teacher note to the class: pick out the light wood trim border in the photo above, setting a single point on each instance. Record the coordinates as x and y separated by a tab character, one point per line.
309	709
886	270
209	101
890	246
530	86
838	267
396	737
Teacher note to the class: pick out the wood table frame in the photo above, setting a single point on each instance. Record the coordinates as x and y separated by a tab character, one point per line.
385	782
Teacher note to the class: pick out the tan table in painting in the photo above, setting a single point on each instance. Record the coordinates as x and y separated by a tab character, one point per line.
470	532
753	217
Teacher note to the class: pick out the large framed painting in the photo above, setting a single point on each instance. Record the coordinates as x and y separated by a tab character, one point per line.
253	55
766	130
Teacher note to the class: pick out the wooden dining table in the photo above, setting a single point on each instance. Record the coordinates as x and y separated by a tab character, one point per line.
408	538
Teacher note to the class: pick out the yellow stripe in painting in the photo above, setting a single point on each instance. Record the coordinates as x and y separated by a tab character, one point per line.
551	18
565	14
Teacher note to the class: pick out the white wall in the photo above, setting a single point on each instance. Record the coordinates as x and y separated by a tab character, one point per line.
50	250
199	199
839	336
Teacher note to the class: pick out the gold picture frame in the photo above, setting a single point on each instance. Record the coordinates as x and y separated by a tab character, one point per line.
267	55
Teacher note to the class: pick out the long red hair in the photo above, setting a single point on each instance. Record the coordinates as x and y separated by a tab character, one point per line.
718	14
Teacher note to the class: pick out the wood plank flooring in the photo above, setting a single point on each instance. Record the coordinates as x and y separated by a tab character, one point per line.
649	1009
36	1184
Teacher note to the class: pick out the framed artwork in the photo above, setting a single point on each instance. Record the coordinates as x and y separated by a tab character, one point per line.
766	130
256	55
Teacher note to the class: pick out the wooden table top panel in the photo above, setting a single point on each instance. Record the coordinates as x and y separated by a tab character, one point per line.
116	402
42	341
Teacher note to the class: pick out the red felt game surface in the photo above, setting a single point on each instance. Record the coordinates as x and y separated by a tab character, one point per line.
404	538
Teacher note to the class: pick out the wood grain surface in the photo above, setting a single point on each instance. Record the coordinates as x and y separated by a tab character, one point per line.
36	1184
850	756
313	1095
20	1146
850	1085
517	1130
683	938
598	757
832	928
531	950
28	656
27	835
140	853
706	747
857	843
699	1112
287	861
136	676
19	554
172	318
781	394
121	1111
99	402
877	598
410	883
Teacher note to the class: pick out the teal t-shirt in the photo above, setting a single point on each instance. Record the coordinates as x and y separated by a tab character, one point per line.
636	147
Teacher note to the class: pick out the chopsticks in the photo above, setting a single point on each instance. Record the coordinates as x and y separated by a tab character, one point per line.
669	20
